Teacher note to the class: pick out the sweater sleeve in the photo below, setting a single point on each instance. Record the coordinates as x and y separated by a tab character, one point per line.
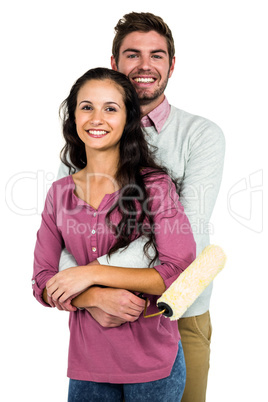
202	177
132	257
64	170
174	239
49	244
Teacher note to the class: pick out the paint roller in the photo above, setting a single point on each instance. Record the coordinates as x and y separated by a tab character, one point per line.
190	284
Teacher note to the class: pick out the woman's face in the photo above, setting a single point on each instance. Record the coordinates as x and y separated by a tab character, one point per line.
100	114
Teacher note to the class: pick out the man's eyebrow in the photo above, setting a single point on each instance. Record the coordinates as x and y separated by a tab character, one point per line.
159	51
138	51
131	50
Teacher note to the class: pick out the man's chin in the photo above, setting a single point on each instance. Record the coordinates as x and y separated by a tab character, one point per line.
146	100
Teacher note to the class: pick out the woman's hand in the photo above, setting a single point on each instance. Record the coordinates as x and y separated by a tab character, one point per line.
66	306
68	284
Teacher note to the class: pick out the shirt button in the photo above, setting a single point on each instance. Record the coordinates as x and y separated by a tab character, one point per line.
95	214
33	282
94	249
93	231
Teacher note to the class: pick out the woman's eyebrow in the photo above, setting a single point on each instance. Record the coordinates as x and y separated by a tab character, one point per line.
112	103
105	103
85	101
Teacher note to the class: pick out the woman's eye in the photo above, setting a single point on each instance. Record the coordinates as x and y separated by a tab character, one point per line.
86	107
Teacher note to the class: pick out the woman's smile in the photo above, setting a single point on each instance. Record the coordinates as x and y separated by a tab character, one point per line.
97	133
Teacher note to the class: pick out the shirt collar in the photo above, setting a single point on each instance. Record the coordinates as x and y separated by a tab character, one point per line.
157	117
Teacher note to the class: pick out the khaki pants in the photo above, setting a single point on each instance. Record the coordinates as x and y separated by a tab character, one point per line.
195	336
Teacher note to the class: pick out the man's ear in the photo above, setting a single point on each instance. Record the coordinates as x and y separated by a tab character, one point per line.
172	67
113	64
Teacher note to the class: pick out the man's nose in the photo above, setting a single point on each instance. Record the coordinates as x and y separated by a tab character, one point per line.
145	63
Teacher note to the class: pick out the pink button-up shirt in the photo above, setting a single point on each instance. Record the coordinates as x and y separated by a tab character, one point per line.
140	351
157	117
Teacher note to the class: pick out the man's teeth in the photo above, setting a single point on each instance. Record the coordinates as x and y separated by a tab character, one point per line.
95	132
144	80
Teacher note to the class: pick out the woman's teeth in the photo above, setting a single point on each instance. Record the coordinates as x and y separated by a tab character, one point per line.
95	132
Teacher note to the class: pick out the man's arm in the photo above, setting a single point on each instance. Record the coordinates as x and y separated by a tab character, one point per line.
199	190
202	178
66	260
110	307
132	257
63	171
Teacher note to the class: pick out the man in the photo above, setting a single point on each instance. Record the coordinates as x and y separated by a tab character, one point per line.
193	150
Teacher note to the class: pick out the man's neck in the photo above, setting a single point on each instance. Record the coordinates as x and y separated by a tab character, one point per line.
147	108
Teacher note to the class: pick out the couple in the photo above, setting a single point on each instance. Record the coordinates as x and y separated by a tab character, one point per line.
115	185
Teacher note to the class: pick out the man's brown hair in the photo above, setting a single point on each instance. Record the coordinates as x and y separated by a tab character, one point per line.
142	22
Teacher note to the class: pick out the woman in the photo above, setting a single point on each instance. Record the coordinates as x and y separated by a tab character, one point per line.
118	195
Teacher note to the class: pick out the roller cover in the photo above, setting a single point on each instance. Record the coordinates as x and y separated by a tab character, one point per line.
191	283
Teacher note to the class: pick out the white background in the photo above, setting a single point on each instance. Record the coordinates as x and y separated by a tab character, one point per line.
221	74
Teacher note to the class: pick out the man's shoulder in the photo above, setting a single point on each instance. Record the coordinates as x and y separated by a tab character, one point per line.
187	117
192	123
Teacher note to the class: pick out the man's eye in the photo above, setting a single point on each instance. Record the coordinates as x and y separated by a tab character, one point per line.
132	56
156	56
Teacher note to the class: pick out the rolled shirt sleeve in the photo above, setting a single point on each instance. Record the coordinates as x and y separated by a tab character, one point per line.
47	251
174	238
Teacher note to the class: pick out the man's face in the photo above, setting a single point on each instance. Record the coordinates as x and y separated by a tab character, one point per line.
144	59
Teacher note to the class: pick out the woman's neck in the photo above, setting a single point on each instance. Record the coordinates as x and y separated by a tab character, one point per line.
98	177
101	169
99	163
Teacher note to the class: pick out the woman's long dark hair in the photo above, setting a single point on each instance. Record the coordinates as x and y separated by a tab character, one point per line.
135	156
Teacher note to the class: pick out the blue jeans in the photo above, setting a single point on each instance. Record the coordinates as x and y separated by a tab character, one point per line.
169	389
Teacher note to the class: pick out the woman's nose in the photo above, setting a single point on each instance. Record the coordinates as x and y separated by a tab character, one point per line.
96	118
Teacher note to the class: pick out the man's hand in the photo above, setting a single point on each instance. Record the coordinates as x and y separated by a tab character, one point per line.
119	303
104	319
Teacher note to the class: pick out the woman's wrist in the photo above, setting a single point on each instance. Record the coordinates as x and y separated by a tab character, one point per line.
89	298
93	271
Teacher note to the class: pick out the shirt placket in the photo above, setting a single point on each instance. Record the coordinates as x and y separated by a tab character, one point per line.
94	248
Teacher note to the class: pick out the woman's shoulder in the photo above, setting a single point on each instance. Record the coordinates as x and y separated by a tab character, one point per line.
160	189
63	181
160	178
61	186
